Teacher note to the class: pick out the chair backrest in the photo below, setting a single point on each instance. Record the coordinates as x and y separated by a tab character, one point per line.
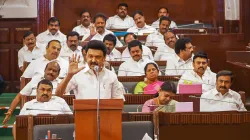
24	82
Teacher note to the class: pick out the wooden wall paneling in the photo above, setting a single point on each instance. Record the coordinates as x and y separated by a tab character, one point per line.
19	32
43	15
5	69
4	35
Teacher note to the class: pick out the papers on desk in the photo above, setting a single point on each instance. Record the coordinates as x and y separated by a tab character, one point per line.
146	137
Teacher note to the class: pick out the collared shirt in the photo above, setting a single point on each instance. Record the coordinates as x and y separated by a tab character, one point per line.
146	52
43	38
215	101
157	22
140	31
54	106
24	54
66	52
177	66
163	53
116	22
133	68
155	39
208	79
31	87
38	66
86	84
82	31
100	37
115	55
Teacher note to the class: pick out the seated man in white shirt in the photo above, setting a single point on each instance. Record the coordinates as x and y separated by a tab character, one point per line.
85	81
122	20
141	28
222	98
52	33
44	103
112	54
201	74
98	31
52	52
166	51
51	73
157	38
163	11
29	51
84	28
134	66
182	60
146	52
72	47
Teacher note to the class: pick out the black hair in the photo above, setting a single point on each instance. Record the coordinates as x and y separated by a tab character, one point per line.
165	18
53	41
84	47
200	55
126	35
123	4
100	15
167	86
59	68
45	82
181	44
225	73
110	37
53	19
137	12
163	8
73	33
151	63
96	45
85	11
27	33
134	43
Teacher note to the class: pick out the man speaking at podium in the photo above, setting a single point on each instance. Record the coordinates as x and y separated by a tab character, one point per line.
85	81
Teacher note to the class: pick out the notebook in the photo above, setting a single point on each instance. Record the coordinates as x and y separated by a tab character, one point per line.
190	89
184	107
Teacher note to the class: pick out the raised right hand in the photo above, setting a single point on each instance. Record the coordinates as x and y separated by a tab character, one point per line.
92	30
73	65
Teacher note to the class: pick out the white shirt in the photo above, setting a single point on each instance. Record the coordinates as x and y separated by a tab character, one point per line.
66	52
100	37
208	79
85	83
54	106
82	31
215	101
31	87
43	38
116	22
157	22
140	31
26	55
133	68
163	53
155	39
146	53
115	55
177	66
38	66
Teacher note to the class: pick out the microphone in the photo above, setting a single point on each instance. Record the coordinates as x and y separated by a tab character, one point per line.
96	68
46	110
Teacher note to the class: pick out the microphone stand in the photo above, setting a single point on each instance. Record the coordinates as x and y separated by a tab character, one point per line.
98	104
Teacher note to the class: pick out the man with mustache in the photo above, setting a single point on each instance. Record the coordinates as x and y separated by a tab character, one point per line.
44	103
30	51
163	11
36	67
52	33
182	59
146	52
98	31
51	73
112	54
134	66
84	28
201	73
166	51
122	20
85	81
222	98
141	28
72	47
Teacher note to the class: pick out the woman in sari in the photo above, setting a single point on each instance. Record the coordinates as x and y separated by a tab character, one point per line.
163	100
151	84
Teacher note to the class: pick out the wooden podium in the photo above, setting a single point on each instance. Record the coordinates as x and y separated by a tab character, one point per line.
110	119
